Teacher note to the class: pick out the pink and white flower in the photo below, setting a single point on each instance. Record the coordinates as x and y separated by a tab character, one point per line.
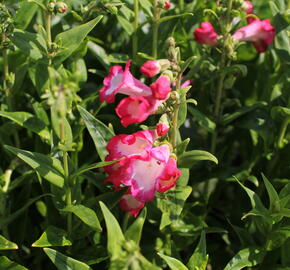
161	88
162	129
144	168
260	33
167	5
129	204
122	81
150	68
206	34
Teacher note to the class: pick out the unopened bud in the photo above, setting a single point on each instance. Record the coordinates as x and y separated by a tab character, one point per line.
61	7
167	5
51	6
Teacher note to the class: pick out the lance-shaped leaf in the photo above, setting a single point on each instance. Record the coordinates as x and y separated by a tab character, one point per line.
87	215
173	263
49	168
70	40
6	244
99	132
30	122
134	232
6	264
63	262
246	257
273	195
115	235
167	18
198	260
188	159
52	236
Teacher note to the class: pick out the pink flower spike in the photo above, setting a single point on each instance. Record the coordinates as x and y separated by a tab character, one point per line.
161	87
119	81
129	204
261	33
162	129
206	34
169	176
150	68
133	110
185	84
167	5
249	7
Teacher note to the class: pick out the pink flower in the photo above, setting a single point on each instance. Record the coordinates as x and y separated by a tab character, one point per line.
162	129
144	168
150	68
167	5
129	204
261	33
185	84
249	7
119	81
161	87
206	34
133	110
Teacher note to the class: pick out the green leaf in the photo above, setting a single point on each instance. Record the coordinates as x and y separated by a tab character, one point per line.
30	44
187	63
127	26
70	40
173	263
24	14
167	18
172	207
146	5
6	264
52	236
198	260
202	120
246	257
99	132
114	233
30	122
6	244
187	159
228	118
277	237
134	232
182	112
93	166
273	195
118	58
63	262
87	215
181	147
49	168
280	113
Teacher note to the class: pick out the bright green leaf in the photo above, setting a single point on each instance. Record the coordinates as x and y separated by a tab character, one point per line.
6	244
187	159
6	264
173	263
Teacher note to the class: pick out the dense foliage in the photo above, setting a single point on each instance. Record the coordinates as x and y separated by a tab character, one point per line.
144	134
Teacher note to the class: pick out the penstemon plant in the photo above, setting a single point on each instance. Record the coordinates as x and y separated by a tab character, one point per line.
145	134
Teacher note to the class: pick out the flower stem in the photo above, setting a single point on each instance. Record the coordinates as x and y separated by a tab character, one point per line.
135	34
283	128
48	28
155	25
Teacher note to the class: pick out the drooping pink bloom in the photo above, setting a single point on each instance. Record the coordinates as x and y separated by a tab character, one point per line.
144	168
122	81
206	34
167	5
150	68
129	204
261	33
162	129
186	83
161	87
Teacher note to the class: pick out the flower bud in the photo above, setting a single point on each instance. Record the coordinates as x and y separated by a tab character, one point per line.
206	34
61	7
51	6
167	5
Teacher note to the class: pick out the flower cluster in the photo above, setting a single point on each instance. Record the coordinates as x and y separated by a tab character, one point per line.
142	100
141	166
144	164
260	32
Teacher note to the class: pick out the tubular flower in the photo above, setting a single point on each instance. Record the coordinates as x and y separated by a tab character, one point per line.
162	129
206	34
150	68
129	204
167	5
161	87
122	81
139	156
261	33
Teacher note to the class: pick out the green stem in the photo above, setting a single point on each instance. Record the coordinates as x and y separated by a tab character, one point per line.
135	34
5	71
155	25
125	222
282	133
48	28
181	4
173	135
220	87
